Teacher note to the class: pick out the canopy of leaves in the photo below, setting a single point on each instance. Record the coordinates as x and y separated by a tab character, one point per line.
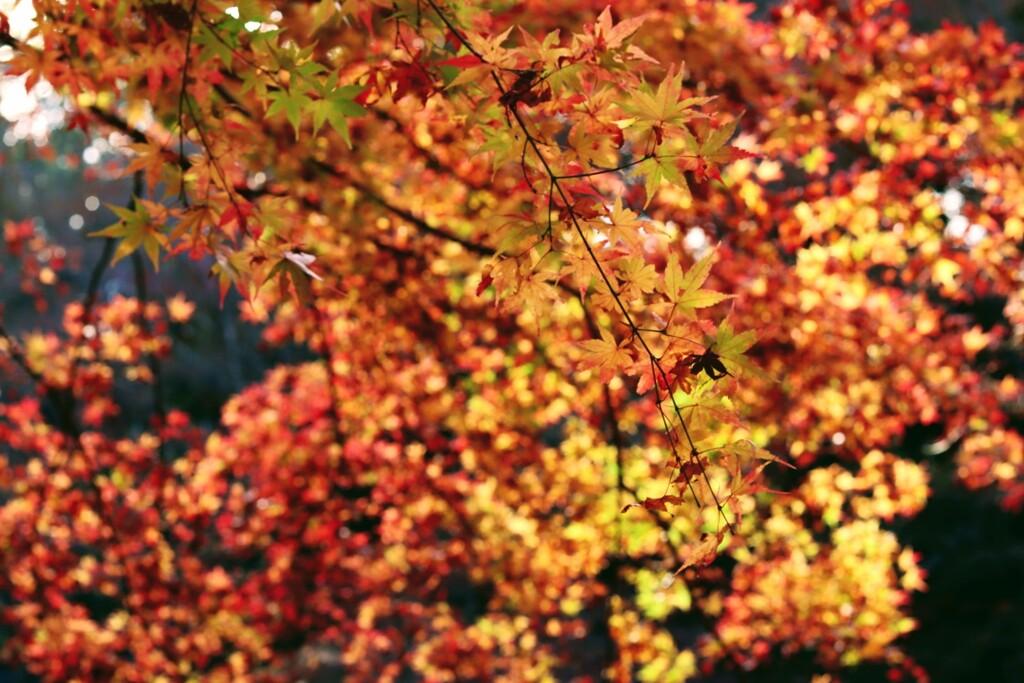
617	320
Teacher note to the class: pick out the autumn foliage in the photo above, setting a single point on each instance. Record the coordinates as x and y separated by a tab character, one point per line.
617	321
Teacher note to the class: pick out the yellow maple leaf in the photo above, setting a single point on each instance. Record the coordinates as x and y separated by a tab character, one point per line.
606	355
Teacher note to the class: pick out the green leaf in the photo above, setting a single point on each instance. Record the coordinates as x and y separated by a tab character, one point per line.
219	45
136	228
308	69
292	104
711	151
664	106
335	110
731	347
499	141
729	344
656	169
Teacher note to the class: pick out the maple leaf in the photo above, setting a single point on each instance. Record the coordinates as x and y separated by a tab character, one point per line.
703	553
293	104
730	347
583	271
192	222
217	45
471	73
595	145
231	269
294	268
749	483
657	169
535	288
707	362
238	214
560	69
141	226
490	49
621	224
335	108
661	504
606	355
746	480
303	261
638	277
705	155
663	108
610	36
647	375
748	449
685	290
151	158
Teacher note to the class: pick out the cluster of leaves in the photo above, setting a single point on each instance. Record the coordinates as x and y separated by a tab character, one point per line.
570	332
36	259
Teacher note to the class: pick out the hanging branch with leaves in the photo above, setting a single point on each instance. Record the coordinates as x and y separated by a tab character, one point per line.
586	150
